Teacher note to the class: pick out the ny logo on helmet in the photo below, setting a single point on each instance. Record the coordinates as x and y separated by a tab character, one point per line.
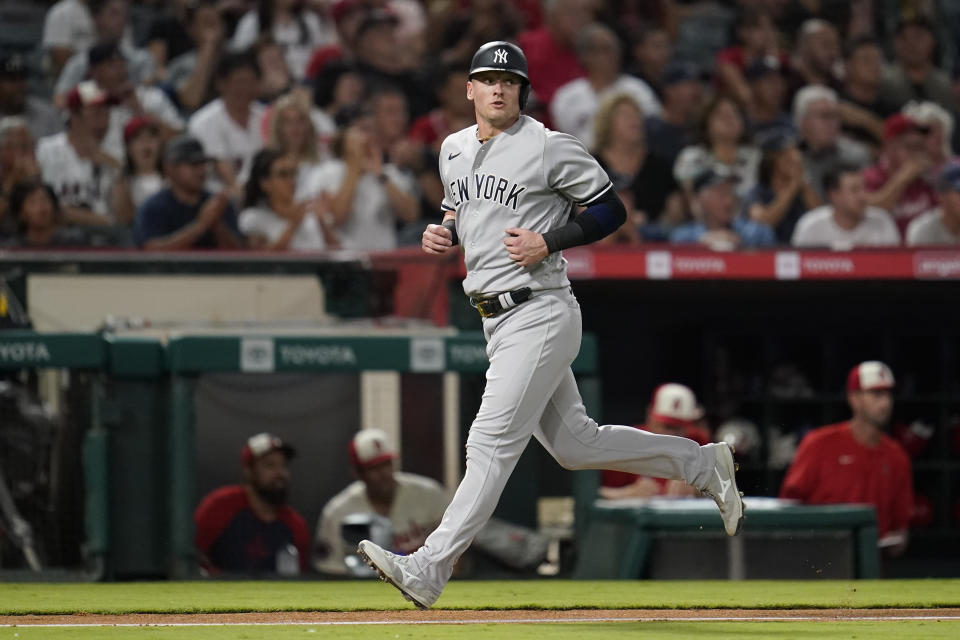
500	56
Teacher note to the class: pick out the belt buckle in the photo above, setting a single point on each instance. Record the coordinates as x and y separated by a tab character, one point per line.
485	308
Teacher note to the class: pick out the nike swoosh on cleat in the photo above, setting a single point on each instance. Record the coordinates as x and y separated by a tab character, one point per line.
453	155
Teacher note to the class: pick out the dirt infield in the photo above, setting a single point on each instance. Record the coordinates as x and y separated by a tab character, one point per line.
473	616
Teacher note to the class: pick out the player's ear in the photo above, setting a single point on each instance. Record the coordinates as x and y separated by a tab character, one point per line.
469	90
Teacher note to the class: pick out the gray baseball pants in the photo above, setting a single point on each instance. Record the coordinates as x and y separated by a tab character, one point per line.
531	391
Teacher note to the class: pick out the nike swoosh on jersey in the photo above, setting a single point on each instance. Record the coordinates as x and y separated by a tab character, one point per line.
845	459
454	155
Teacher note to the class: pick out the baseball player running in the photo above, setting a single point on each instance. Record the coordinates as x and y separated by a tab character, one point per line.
510	188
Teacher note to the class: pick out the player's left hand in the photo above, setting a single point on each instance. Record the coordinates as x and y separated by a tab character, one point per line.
525	247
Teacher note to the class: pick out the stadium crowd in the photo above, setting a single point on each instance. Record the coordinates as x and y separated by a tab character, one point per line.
308	125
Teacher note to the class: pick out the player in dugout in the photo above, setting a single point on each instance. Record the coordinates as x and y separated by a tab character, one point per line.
856	462
250	529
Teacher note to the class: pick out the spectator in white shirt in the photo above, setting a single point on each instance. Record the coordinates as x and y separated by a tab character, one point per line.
847	221
723	146
74	163
293	129
368	197
295	28
940	226
575	104
229	127
271	219
67	29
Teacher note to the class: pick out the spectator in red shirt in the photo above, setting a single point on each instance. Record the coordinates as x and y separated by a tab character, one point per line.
901	182
250	528
673	411
551	54
856	462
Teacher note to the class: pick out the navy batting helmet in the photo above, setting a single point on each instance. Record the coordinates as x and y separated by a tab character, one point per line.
503	56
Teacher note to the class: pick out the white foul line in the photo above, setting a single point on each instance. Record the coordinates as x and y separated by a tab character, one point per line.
343	623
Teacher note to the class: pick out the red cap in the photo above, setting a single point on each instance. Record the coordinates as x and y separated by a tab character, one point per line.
262	444
369	448
674	403
85	94
869	375
898	124
134	126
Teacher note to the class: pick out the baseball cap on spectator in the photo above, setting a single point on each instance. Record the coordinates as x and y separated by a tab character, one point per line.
776	139
949	178
136	125
710	176
674	403
677	72
369	448
898	124
185	148
12	67
102	52
762	66
376	18
86	94
263	443
870	375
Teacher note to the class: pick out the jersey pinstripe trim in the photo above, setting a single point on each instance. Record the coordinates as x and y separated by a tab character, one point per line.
596	196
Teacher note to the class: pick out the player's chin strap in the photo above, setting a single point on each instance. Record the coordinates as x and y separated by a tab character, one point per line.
601	218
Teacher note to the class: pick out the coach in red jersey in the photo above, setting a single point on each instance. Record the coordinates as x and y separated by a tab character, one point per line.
856	462
250	528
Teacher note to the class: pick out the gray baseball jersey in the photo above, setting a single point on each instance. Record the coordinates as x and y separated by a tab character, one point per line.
531	178
527	177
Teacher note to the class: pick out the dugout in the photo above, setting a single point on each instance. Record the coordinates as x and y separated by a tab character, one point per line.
158	423
315	390
80	454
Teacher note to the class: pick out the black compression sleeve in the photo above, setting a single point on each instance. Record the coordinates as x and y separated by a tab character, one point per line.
599	220
451	224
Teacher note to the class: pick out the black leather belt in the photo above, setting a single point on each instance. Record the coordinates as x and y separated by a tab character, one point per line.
489	307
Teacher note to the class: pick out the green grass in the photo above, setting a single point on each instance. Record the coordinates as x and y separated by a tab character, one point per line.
927	630
199	597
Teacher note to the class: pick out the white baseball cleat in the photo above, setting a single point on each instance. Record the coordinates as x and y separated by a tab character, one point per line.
391	569
722	487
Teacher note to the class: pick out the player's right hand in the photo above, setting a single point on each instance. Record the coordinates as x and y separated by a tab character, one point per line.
436	239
